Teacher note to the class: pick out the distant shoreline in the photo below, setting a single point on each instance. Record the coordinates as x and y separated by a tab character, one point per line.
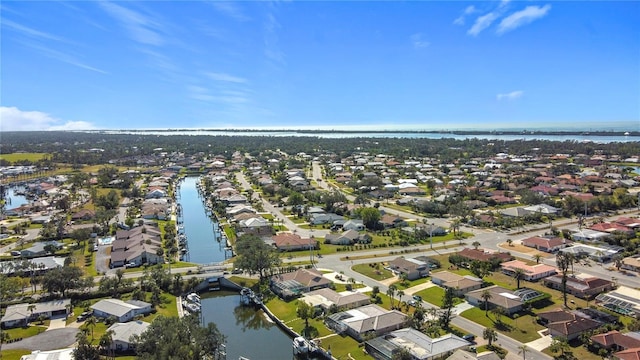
334	131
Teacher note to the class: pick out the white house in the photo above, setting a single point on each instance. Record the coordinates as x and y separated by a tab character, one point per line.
122	333
121	310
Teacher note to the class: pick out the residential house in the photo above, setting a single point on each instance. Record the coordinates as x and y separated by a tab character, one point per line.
548	244
571	329
293	242
629	354
122	333
325	298
298	282
83	215
484	255
123	311
411	268
589	235
20	314
542	209
58	354
38	249
596	253
466	355
530	272
419	345
623	300
613	228
615	341
324	218
255	226
500	297
348	237
353	224
392	221
580	286
631	263
460	284
366	321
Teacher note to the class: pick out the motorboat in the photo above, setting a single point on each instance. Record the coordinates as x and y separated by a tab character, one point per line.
300	345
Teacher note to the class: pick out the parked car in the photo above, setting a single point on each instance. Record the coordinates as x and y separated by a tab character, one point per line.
469	337
417	297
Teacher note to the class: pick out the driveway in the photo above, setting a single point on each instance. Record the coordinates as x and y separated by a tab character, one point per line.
57	323
48	340
102	259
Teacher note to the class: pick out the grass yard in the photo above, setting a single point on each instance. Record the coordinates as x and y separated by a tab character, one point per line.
344	348
377	274
578	351
26	332
14	354
432	295
33	157
400	284
523	329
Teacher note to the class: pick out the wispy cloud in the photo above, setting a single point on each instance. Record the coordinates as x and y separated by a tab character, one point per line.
14	119
418	41
63	57
467	11
25	30
271	46
510	96
225	77
141	28
484	21
230	9
522	17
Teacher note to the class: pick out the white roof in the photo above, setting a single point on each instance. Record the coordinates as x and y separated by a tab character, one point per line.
60	354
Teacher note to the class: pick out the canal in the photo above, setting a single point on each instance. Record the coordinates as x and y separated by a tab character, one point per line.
249	332
204	244
13	199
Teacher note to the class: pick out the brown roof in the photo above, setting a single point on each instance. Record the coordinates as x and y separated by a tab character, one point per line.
288	239
556	315
629	354
306	277
483	255
615	337
576	326
545	242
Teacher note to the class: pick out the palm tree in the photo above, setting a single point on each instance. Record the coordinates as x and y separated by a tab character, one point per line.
486	296
400	295
522	349
91	323
510	242
30	309
490	335
518	274
475	245
537	258
391	292
564	260
106	340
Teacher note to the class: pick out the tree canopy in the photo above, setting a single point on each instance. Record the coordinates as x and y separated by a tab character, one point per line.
255	256
172	338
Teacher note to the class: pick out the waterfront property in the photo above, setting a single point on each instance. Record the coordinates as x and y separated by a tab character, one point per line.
421	346
121	310
20	314
122	333
300	281
366	320
325	298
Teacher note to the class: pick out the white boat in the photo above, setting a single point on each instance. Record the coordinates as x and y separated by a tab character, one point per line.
300	345
194	298
191	307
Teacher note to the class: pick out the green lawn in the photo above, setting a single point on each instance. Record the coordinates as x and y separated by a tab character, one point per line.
432	295
410	283
33	157
14	354
524	329
379	273
26	332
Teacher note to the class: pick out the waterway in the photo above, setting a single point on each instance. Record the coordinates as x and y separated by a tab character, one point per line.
248	332
14	200
202	239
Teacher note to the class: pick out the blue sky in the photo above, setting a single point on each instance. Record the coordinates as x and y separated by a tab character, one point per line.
327	64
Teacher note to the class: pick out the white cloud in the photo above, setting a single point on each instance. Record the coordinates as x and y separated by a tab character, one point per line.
230	9
482	22
63	57
29	31
418	41
141	28
467	11
510	96
522	17
14	119
226	78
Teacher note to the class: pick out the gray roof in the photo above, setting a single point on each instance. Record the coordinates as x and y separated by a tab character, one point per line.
48	263
21	311
420	345
124	331
118	307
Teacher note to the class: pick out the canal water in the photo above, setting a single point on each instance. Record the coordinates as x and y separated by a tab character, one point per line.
14	200
202	239
249	332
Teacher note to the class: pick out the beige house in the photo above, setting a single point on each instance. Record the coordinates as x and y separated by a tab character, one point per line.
460	284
